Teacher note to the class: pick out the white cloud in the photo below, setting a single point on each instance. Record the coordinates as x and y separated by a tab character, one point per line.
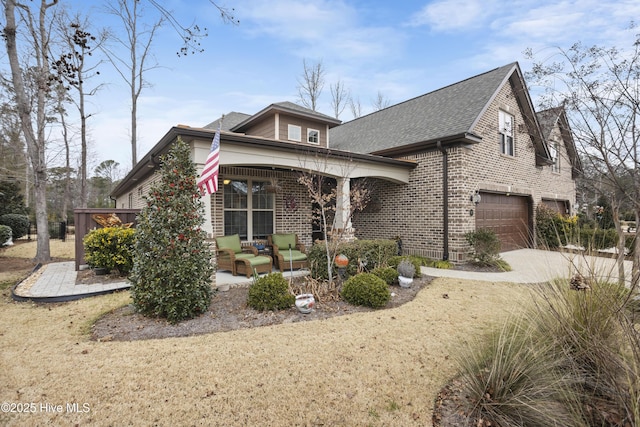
450	15
320	28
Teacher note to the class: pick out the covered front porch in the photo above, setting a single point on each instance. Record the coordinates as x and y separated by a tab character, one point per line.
260	194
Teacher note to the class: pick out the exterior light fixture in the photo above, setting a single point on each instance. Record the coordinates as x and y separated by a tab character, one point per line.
475	197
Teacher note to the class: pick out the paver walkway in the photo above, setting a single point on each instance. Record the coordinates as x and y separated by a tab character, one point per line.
58	280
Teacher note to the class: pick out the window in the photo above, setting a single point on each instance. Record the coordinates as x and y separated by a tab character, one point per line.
506	133
248	209
553	150
295	133
313	136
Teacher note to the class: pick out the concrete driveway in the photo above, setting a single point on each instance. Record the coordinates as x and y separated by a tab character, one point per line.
536	266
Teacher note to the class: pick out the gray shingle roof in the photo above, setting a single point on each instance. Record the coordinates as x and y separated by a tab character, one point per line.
307	111
445	112
231	120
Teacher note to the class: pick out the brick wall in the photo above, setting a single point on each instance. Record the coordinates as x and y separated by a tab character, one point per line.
414	212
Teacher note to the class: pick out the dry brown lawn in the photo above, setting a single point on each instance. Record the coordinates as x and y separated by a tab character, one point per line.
379	368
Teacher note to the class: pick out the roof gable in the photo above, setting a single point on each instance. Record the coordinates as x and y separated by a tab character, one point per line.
447	114
557	116
287	108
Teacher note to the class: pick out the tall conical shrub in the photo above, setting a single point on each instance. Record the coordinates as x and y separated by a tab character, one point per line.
172	269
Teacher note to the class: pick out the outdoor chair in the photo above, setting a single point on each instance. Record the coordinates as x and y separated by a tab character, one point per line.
241	259
285	259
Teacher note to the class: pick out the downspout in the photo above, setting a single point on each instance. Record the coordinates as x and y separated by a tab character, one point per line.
445	201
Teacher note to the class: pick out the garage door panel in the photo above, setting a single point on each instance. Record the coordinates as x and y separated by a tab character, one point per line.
507	216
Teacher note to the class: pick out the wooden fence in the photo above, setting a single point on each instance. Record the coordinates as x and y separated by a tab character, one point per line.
84	223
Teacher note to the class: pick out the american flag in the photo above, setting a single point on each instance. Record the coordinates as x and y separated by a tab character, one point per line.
208	181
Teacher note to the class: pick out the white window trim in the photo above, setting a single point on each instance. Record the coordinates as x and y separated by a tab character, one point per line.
309	134
249	208
505	127
554	148
292	131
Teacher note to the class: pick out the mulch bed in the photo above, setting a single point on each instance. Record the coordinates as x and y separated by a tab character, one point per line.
229	311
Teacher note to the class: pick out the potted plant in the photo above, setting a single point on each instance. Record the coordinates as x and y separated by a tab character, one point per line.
406	270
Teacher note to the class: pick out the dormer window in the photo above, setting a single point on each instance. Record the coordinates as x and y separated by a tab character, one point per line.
505	130
313	136
295	133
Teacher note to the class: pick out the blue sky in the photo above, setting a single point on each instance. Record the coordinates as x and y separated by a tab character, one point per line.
402	49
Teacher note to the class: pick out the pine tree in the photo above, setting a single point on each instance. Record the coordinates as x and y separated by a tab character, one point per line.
172	269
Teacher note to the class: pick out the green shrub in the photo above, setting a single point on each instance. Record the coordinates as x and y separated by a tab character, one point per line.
366	289
598	238
371	253
388	274
19	224
485	246
5	234
110	248
445	265
270	292
394	261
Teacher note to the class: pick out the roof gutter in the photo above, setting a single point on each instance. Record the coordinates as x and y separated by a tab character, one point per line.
445	201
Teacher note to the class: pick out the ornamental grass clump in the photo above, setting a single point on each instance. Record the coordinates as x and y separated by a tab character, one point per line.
366	289
572	357
172	268
406	268
270	292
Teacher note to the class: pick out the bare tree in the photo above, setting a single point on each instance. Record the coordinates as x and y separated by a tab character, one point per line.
74	69
339	97
355	107
137	41
329	201
33	126
132	67
61	99
311	83
192	35
600	90
380	102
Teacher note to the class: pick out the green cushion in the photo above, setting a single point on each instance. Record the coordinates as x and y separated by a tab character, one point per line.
282	241
295	255
259	260
245	255
229	242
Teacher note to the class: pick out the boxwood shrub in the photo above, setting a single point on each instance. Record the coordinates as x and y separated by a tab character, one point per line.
5	234
19	224
270	292
388	274
366	289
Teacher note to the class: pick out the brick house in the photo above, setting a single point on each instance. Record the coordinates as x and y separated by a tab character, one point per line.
473	154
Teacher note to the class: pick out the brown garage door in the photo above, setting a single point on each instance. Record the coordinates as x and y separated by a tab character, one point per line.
507	216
